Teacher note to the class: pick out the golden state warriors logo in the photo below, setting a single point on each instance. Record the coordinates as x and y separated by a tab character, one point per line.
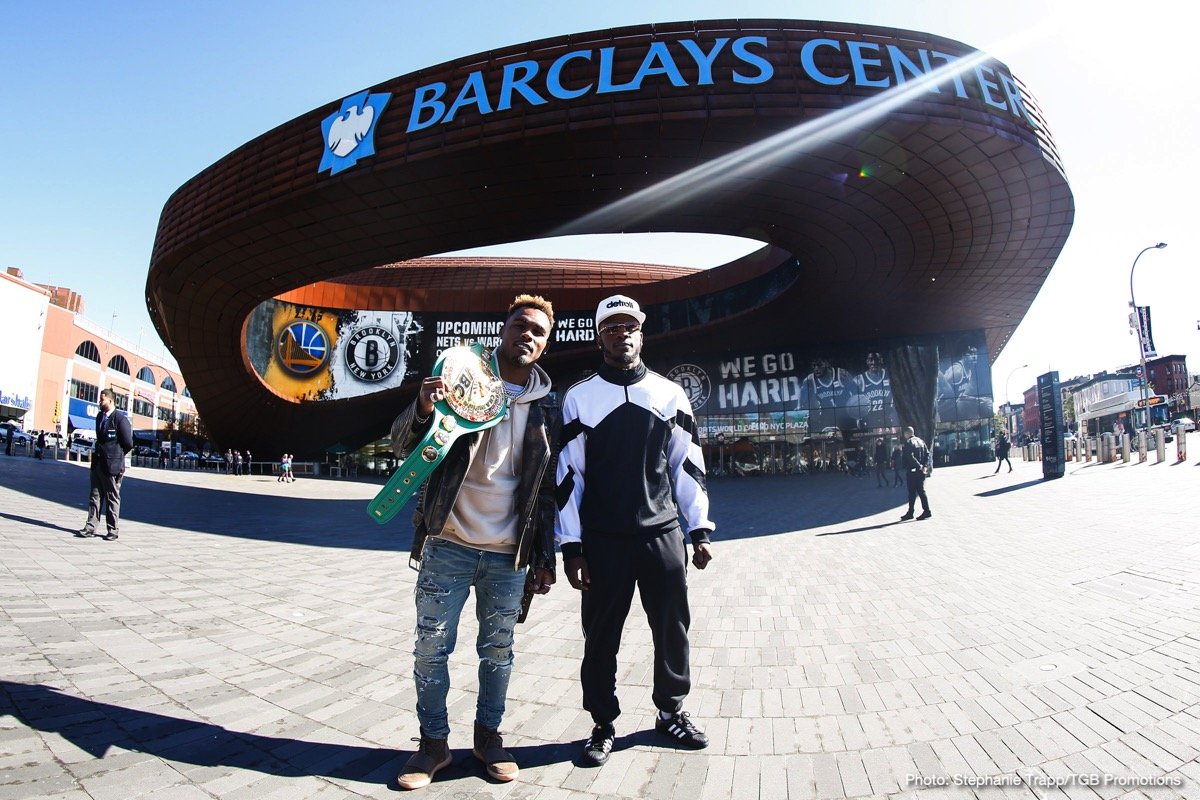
693	381
372	353
303	348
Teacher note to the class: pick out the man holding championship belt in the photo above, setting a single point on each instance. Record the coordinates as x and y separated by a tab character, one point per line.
485	520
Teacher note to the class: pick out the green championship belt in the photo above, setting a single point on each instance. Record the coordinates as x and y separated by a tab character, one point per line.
475	400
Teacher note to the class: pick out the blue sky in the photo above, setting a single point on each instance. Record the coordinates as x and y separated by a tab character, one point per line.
113	106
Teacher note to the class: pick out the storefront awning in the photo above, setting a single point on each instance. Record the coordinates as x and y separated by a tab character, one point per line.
86	423
8	412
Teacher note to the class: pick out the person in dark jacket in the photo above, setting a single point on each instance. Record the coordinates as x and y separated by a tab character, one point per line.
485	519
630	467
114	438
917	465
881	463
1003	445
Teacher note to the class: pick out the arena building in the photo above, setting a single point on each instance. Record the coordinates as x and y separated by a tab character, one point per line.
905	187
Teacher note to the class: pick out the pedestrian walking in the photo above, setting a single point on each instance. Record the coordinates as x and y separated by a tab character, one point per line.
1003	446
881	460
917	465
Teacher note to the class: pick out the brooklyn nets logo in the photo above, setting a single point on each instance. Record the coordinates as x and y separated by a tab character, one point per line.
693	381
303	348
372	353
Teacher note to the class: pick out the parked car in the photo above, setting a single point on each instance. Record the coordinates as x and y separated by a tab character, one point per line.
19	437
1183	423
82	444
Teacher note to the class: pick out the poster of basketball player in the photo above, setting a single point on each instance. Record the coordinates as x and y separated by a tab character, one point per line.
828	394
874	388
964	389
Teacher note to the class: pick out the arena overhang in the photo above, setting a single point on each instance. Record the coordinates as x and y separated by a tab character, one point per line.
905	184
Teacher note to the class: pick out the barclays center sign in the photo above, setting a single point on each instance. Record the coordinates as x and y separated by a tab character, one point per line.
822	64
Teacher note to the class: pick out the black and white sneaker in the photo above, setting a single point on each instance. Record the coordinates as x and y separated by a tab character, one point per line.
598	747
682	730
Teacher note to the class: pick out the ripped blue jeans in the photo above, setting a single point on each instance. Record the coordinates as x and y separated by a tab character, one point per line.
448	571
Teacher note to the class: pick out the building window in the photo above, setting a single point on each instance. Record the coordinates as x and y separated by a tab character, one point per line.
142	408
119	364
86	392
168	383
121	401
88	350
146	376
187	392
166	414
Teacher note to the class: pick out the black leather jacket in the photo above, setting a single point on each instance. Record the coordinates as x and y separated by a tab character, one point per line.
535	494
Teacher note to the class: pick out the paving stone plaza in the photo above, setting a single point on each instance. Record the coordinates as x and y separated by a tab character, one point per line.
246	639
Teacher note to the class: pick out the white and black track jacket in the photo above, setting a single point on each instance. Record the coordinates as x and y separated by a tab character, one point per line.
630	458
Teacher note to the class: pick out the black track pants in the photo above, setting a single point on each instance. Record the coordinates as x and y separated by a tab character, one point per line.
656	563
916	489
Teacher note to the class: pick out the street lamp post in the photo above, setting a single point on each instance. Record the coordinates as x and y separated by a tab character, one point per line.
1145	379
1007	394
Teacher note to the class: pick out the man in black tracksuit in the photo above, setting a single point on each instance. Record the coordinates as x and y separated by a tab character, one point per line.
629	466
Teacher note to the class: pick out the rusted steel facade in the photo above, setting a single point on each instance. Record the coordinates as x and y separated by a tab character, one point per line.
943	211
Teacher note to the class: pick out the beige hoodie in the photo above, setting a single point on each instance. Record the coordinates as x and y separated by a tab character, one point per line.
484	514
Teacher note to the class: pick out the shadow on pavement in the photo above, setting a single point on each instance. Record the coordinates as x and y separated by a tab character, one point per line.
880	526
39	523
282	518
1013	488
572	752
97	727
742	507
773	504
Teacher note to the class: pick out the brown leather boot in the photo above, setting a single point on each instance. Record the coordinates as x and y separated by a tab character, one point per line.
431	755
489	748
